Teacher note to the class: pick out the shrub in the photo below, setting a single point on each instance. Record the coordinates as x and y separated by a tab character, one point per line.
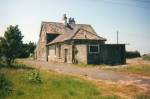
132	54
5	85
146	56
2	64
34	77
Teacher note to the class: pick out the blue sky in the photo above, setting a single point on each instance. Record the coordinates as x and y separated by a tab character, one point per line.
130	17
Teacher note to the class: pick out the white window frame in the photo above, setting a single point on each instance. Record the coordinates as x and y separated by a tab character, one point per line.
93	45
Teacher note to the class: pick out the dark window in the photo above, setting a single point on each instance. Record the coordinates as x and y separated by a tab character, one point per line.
51	37
93	48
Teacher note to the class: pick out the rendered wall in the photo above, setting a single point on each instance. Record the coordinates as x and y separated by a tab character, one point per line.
81	53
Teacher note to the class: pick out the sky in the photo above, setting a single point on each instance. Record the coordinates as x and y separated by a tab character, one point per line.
131	18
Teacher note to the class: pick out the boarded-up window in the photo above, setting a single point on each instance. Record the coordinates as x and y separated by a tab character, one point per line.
93	48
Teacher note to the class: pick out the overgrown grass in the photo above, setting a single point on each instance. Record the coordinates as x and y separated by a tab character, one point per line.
14	65
140	69
5	85
53	86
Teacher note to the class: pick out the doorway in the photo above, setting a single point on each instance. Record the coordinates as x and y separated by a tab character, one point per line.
65	55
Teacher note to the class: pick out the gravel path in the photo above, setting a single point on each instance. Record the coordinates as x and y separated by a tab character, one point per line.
93	73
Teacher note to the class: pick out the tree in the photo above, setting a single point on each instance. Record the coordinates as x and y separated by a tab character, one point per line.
27	50
31	47
2	46
11	43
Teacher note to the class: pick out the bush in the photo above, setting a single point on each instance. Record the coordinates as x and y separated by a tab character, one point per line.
132	54
5	85
34	77
2	64
146	56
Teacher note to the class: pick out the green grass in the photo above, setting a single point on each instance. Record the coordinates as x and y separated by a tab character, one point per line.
140	69
53	86
146	57
61	86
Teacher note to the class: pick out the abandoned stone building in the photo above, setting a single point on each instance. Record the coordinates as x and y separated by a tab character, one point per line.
76	43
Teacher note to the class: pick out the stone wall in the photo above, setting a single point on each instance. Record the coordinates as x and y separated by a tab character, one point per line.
41	50
59	56
81	53
69	52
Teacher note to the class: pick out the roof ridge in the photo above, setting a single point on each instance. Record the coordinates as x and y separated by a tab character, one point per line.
62	23
51	22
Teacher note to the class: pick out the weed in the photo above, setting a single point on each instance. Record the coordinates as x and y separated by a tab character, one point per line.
34	77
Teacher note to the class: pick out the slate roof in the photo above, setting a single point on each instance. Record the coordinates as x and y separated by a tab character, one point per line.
59	28
67	33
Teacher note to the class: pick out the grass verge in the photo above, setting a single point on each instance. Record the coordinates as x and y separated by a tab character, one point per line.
53	86
140	69
61	86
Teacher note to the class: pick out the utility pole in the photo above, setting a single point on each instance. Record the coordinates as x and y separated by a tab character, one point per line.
117	38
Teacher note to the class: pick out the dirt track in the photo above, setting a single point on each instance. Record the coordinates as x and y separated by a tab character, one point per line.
93	73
